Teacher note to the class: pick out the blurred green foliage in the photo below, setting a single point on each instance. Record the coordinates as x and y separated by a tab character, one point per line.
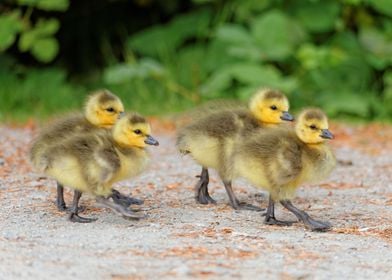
332	54
37	37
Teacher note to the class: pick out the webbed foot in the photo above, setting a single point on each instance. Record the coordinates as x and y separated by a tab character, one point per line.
274	221
125	200
237	205
61	206
315	225
119	209
309	222
202	195
75	218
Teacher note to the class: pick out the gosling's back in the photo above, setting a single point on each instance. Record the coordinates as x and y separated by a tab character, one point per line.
211	139
57	132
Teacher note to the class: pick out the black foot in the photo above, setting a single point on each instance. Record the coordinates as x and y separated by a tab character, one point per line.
246	206
119	209
205	198
75	218
130	214
309	222
274	221
61	206
124	200
315	225
202	195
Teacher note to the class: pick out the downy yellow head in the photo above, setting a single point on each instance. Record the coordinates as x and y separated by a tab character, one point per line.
270	106
132	130
312	126
103	108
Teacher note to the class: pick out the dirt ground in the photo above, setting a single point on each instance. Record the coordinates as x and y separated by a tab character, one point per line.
181	239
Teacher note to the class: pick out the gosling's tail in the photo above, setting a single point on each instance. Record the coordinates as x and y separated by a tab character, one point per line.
38	158
182	144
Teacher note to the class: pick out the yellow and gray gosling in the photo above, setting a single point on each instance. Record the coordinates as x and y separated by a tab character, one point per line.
280	160
102	109
92	162
211	140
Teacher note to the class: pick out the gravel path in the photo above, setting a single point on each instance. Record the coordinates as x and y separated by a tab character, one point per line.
182	240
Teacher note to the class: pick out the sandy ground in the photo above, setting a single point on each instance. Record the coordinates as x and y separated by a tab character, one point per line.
181	239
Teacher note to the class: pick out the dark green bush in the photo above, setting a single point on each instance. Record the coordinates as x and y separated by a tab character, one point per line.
333	54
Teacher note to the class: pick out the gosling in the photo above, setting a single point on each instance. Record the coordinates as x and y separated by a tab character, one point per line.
92	162
279	160
102	109
211	140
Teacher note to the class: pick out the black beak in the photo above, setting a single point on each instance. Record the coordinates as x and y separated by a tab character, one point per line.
325	133
120	115
151	141
286	116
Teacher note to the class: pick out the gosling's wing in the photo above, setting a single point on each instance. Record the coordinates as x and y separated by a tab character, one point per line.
61	127
57	131
207	132
108	161
289	161
217	125
209	108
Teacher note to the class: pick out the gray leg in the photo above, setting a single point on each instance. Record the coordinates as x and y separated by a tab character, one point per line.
270	215
202	195
235	203
73	216
310	223
60	203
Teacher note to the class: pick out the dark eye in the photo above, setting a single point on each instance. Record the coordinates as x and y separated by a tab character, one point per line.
110	109
137	131
273	107
313	127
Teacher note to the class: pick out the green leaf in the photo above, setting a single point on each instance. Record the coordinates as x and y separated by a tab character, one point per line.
190	66
246	9
245	52
217	83
122	73
10	25
42	30
317	16
32	3
53	5
45	50
234	33
251	76
313	57
47	5
202	1
253	73
378	45
256	75
152	67
47	27
26	40
276	35
161	40
194	24
346	102
383	6
151	41
353	2
239	42
388	78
